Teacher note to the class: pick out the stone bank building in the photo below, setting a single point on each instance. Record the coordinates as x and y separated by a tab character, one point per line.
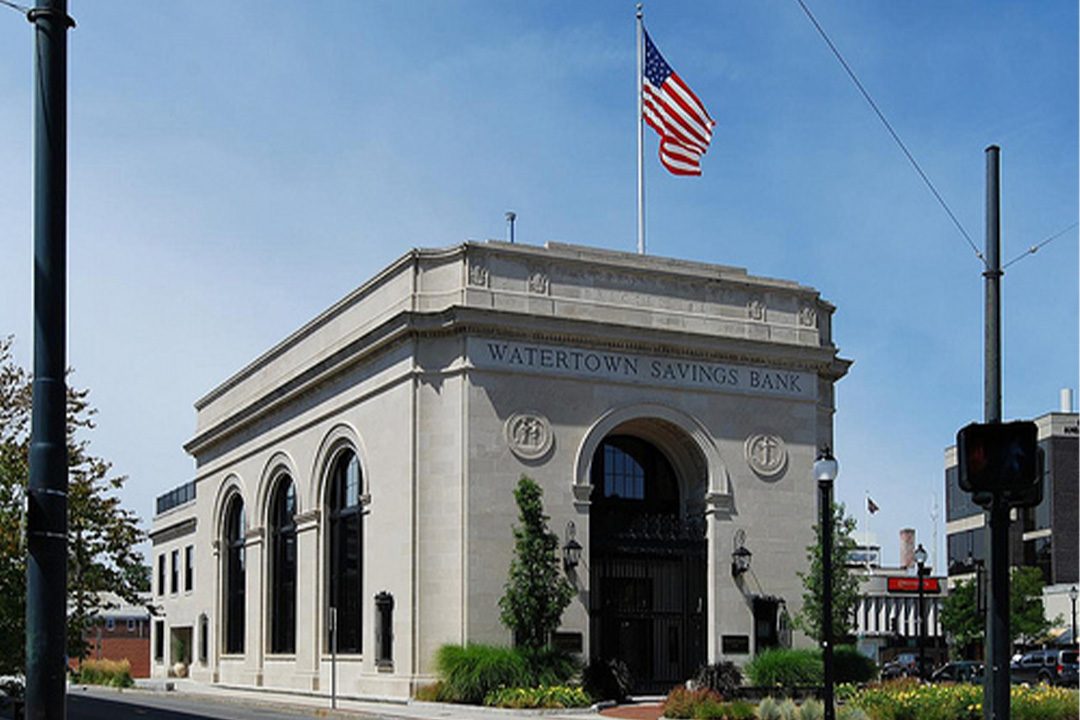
353	495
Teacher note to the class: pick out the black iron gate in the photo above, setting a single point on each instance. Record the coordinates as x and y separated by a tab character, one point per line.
648	600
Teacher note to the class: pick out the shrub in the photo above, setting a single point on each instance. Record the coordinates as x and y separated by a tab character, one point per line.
812	710
851	666
548	666
784	667
470	672
116	673
722	677
711	707
545	697
738	710
682	702
607	680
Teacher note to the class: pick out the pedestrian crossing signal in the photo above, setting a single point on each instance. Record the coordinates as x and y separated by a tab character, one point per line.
1000	459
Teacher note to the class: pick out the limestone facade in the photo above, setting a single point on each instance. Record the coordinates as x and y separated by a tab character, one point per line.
450	374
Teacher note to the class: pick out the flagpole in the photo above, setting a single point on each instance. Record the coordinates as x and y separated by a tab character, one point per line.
866	531
640	135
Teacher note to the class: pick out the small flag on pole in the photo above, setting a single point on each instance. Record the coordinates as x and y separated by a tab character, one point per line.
871	506
672	109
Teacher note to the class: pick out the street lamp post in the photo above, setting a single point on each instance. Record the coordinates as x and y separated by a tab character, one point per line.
920	560
1073	594
825	470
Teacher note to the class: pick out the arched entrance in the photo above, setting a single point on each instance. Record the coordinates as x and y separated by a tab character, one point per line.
648	554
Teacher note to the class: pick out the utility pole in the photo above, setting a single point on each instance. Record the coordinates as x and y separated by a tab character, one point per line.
996	687
46	526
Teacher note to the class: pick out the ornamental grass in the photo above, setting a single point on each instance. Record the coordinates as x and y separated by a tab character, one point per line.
546	697
116	673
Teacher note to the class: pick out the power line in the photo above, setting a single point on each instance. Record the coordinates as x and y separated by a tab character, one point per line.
13	6
1035	248
892	132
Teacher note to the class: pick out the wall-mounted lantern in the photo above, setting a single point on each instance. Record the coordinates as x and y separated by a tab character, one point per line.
572	548
740	556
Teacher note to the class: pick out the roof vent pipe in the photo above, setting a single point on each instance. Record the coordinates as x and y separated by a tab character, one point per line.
1066	400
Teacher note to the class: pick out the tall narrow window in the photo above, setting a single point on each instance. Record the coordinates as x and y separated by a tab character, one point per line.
159	640
346	550
283	567
174	584
233	543
189	568
161	574
204	638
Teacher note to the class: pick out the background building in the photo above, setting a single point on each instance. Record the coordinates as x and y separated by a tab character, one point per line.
122	632
354	485
887	616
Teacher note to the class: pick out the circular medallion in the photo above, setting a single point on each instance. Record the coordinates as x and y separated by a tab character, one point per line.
529	435
766	454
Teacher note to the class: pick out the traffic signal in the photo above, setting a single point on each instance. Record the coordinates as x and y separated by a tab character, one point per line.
1000	458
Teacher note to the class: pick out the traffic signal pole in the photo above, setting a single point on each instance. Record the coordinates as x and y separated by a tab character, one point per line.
996	687
46	523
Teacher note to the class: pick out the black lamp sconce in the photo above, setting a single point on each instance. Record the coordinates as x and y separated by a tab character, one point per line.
572	548
740	556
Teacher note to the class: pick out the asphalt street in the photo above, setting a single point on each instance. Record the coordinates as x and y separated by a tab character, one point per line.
90	705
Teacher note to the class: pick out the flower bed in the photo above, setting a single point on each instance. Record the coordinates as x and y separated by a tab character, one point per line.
909	700
545	696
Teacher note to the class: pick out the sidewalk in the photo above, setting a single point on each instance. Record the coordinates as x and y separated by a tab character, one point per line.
319	705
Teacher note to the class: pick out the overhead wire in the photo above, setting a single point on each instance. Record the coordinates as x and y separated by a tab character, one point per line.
1035	248
14	6
889	127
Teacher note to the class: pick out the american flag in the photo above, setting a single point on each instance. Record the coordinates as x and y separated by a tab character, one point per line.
673	110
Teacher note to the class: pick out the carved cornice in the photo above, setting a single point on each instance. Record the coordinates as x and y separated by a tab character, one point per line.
460	320
174	531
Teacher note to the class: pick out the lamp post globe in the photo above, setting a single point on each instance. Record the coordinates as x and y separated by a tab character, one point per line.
825	471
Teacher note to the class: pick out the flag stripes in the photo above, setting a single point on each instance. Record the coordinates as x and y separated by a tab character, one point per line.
677	115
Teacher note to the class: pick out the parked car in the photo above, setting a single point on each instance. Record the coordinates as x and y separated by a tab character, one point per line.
965	671
1056	667
891	670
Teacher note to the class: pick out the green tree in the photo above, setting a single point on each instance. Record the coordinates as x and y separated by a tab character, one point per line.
536	592
1027	615
961	619
845	582
102	535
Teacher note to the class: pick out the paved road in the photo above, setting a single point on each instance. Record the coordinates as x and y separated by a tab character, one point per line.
93	705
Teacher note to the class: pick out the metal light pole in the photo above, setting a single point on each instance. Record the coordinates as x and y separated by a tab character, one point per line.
920	561
1073	594
996	688
47	502
825	470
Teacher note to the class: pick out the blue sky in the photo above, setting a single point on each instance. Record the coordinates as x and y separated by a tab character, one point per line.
235	168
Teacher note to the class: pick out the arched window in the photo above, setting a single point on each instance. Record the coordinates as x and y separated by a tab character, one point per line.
233	543
345	555
283	567
634	473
